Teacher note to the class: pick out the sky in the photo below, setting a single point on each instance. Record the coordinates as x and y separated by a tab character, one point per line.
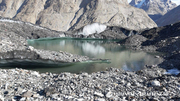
175	1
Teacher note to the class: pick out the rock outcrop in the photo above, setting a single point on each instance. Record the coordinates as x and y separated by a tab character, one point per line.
171	17
164	39
63	15
154	8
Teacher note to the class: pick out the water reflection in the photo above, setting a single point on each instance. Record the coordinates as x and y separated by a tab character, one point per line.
118	55
92	50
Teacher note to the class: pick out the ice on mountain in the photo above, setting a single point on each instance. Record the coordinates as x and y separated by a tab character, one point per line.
93	28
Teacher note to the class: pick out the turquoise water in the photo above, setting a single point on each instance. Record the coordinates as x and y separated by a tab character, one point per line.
119	56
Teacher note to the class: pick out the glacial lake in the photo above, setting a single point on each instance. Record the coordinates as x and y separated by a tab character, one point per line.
119	56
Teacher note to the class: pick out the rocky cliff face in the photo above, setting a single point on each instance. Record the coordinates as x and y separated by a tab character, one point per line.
171	17
112	13
65	15
154	8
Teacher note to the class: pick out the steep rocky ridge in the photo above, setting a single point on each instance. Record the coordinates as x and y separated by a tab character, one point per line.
171	17
117	14
9	8
154	8
63	15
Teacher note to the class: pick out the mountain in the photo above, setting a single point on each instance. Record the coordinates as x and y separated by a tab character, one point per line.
154	8
63	15
112	13
171	17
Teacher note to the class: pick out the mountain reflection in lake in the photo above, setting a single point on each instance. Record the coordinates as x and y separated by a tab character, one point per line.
118	55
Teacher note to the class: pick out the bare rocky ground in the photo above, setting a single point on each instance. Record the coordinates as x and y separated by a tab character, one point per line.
151	83
13	42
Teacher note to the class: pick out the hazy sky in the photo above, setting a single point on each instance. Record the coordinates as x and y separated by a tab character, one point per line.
175	1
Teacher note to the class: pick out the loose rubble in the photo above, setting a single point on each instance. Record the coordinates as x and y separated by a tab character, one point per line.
13	45
20	84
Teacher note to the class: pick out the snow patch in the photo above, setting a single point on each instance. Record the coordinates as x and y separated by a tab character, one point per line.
93	28
173	71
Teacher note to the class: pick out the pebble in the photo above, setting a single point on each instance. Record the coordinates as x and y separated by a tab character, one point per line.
31	48
36	74
34	86
100	99
80	99
27	94
122	82
1	98
98	94
109	94
23	99
128	84
155	83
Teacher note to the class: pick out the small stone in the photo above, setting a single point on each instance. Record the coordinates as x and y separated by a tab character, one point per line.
6	92
122	82
35	95
49	91
136	84
154	99
157	56
23	99
1	98
80	99
74	60
54	95
31	48
36	74
98	94
100	99
27	94
133	100
128	84
155	83
109	95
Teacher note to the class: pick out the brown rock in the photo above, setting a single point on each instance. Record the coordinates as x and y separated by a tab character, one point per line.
63	15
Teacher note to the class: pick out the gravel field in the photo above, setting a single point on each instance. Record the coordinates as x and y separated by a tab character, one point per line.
114	84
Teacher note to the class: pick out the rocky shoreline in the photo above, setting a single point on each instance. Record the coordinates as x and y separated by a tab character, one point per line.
151	83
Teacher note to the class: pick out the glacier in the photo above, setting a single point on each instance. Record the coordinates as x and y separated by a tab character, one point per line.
93	28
